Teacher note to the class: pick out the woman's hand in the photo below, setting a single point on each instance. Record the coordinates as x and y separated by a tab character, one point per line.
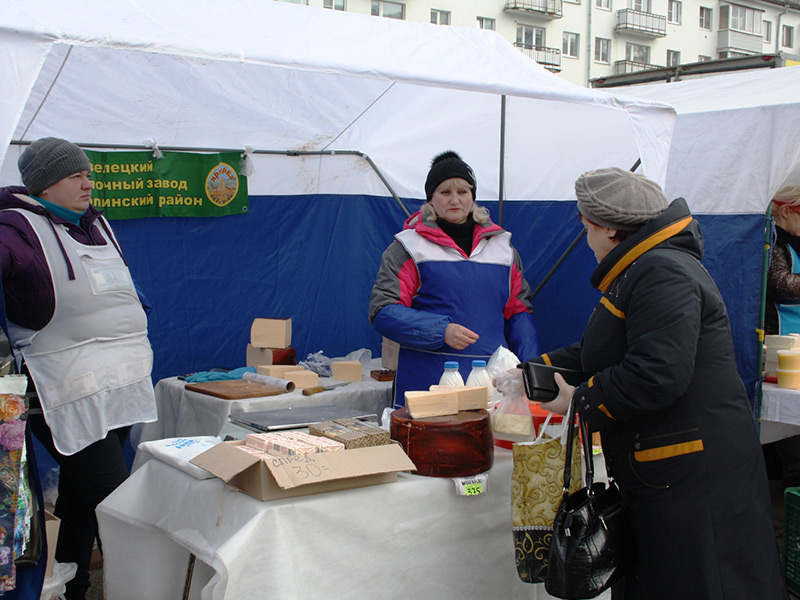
560	403
459	337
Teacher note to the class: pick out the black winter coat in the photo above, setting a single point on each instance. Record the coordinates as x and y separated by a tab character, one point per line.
678	431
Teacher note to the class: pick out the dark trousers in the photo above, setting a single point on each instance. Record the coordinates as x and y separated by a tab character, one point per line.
85	479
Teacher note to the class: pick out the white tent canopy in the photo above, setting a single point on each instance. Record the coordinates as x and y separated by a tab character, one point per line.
736	139
275	76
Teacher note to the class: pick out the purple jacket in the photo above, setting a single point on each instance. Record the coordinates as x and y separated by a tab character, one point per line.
28	287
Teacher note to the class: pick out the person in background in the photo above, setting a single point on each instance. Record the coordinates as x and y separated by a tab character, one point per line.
77	327
450	286
677	430
782	310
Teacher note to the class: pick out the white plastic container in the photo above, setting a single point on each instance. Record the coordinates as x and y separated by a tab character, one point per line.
480	377
451	376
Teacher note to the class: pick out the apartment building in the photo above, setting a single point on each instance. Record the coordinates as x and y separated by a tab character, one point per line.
582	40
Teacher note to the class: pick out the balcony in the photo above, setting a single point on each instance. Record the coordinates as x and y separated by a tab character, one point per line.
548	9
641	23
739	42
549	58
622	67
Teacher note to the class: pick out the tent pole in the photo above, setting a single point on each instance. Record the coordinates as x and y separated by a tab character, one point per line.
767	249
572	245
500	186
277	152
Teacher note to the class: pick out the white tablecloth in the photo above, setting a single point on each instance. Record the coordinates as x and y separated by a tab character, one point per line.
411	539
780	413
183	413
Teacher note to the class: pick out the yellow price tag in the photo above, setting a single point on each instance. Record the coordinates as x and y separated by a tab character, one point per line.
473	489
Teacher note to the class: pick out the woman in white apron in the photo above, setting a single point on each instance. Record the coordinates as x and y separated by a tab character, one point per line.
78	328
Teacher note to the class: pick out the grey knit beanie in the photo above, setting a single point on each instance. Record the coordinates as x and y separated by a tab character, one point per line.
47	161
619	199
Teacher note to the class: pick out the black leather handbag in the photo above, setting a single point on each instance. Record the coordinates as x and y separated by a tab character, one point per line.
591	542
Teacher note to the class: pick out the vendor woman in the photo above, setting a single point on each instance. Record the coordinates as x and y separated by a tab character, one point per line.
451	286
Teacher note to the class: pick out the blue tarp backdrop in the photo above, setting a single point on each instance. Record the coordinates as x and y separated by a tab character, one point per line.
314	258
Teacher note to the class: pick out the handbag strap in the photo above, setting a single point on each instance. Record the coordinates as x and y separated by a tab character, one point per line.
587	450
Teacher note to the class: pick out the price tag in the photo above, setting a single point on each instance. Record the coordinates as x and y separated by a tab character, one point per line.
472	486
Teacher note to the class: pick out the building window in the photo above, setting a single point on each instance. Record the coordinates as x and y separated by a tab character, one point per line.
673	58
767	32
602	50
604	4
573	1
705	17
486	23
334	4
637	53
740	18
674	11
787	36
440	17
570	44
391	10
529	36
640	5
703	58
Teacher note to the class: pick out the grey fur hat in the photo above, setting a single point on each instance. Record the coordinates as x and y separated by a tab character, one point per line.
619	199
47	161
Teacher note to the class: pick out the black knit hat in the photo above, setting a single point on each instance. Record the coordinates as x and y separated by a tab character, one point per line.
446	166
47	161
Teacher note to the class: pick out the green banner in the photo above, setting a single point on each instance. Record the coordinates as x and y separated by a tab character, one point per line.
134	185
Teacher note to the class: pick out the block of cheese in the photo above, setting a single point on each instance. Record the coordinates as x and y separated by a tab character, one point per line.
469	397
256	356
271	333
351	438
431	404
302	378
323	444
458	445
276	370
378	436
346	370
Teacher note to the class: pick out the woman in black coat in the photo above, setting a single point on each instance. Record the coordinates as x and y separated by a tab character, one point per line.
678	432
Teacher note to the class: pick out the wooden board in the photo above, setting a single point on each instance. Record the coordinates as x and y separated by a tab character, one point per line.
234	389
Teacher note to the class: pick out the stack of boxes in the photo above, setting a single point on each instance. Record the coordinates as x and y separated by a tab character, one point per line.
271	353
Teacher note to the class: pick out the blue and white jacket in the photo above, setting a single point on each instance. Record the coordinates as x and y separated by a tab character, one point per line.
426	282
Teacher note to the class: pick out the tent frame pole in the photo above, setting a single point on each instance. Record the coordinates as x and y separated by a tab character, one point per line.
500	184
358	153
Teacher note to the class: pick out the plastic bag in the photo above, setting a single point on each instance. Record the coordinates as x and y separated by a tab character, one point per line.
55	585
321	364
501	361
512	418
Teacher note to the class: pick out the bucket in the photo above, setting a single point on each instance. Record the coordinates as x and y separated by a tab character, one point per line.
789	379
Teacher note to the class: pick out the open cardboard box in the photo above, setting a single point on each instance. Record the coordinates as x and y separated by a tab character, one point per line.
290	476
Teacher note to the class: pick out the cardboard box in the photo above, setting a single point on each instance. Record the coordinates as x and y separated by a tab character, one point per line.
346	370
302	378
389	352
256	356
51	526
271	333
287	477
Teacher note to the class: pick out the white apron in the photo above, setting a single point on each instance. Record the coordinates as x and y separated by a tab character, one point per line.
92	362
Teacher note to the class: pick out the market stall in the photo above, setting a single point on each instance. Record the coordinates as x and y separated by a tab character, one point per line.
413	538
340	114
